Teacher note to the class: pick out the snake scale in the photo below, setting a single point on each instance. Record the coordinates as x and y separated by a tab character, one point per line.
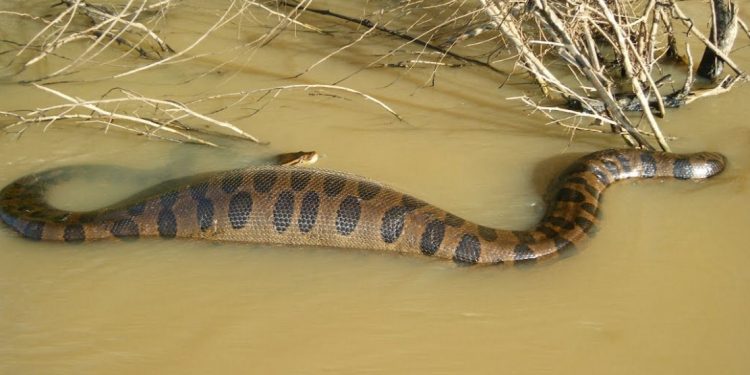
302	206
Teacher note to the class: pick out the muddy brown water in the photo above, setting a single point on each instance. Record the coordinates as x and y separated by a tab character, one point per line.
661	288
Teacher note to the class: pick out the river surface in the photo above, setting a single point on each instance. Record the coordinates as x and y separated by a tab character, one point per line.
661	288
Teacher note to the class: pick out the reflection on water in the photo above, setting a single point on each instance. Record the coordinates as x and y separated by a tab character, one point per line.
661	288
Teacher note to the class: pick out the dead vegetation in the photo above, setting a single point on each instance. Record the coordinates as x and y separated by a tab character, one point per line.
602	66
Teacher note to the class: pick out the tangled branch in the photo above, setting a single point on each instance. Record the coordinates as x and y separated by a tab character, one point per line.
598	63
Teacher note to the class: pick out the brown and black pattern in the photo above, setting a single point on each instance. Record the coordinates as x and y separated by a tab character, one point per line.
298	206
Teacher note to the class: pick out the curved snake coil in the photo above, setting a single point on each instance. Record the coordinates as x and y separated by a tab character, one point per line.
301	206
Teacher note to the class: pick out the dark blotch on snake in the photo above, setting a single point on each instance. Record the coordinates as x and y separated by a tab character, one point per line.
393	223
137	209
347	216
300	179
524	237
283	211
411	203
683	169
584	223
576	168
522	252
74	233
454	220
594	192
432	237
125	228
263	181
204	213
309	211
333	185
34	230
611	167
204	207
198	191
468	250
578	180
240	207
8	219
570	195
168	199
600	175
549	232
367	190
231	182
488	234
582	181
649	165
561	222
167	223
624	162
87	217
588	207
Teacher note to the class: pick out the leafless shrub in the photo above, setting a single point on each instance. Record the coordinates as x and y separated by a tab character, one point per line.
596	62
131	27
599	64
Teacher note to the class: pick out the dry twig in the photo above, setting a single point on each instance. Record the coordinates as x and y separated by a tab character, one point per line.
596	62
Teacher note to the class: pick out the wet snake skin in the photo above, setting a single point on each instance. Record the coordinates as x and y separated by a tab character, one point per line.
302	206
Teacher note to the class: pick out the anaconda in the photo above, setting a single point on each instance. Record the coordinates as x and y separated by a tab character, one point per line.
302	206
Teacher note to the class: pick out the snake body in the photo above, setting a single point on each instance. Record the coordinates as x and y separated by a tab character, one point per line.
302	206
